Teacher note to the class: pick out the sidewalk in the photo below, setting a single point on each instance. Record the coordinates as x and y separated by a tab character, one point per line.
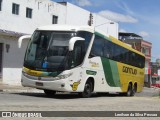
16	88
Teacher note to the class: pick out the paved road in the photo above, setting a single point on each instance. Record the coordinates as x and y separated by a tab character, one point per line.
148	100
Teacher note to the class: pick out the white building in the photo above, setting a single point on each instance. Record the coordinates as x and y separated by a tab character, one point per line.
18	17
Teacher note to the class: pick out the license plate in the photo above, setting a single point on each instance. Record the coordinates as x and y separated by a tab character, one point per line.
39	84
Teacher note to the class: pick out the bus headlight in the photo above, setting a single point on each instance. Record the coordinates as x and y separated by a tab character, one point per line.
62	76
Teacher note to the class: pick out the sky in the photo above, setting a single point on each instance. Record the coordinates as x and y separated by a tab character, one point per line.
135	16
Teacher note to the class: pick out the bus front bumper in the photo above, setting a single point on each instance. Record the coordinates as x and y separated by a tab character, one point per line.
56	85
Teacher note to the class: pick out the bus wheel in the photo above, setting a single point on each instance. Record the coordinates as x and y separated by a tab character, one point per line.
50	93
87	90
129	91
134	90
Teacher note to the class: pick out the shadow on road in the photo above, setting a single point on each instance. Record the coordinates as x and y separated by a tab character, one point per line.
147	92
67	95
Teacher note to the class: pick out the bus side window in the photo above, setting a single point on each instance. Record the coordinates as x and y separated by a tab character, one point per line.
116	53
87	36
133	58
97	47
78	53
108	49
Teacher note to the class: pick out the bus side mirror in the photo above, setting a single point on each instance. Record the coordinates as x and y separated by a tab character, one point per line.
72	41
21	38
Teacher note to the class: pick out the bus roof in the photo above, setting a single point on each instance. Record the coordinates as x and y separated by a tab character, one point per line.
57	27
66	28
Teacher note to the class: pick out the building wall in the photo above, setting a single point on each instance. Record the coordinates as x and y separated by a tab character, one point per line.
12	60
146	49
42	13
110	28
76	15
40	17
79	16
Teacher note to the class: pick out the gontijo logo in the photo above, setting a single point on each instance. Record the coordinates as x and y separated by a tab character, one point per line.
129	70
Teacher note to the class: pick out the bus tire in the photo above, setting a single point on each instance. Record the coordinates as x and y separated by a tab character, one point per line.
129	91
87	90
50	93
134	90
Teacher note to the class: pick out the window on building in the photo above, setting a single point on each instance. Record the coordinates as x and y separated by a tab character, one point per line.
54	19
145	50
15	9
0	5
28	12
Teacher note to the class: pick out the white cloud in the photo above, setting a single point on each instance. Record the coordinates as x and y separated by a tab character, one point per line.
122	30
83	2
144	34
123	6
117	16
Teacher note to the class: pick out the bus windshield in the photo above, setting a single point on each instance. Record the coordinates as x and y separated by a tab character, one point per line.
48	50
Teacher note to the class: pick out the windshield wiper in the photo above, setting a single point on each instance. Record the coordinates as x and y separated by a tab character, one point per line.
64	62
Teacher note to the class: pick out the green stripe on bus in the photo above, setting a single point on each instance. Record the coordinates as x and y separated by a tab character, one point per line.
107	71
111	72
103	36
115	73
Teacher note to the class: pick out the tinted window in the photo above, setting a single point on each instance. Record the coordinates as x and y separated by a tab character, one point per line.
87	36
97	47
78	54
105	48
108	49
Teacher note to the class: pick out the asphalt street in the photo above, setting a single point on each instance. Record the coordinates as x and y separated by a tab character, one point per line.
148	100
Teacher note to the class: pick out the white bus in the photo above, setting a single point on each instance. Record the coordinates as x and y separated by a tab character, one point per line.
82	60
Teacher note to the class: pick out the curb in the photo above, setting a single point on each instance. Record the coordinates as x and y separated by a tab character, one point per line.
22	90
11	88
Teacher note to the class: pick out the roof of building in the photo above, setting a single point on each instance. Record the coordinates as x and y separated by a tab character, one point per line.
129	34
62	3
11	33
132	37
